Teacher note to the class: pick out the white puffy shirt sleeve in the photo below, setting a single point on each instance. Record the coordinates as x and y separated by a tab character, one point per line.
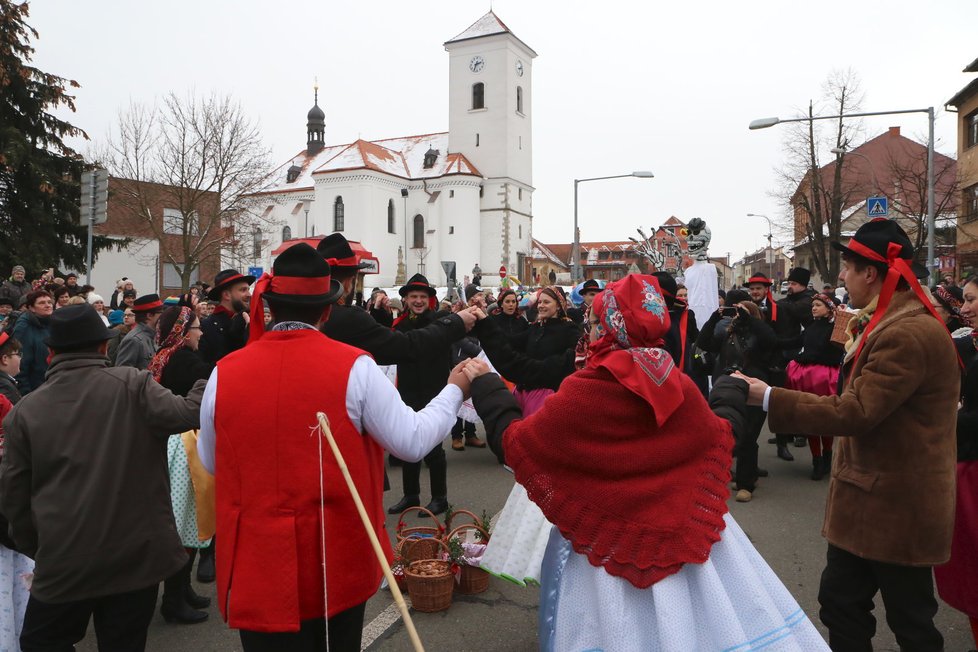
207	438
376	410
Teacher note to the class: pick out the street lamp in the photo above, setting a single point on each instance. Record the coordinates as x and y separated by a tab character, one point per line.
769	256
841	152
576	253
764	123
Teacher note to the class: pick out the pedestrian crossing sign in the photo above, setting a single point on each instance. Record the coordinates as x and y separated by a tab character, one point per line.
877	207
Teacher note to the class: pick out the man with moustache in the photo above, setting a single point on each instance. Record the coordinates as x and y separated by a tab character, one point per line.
226	330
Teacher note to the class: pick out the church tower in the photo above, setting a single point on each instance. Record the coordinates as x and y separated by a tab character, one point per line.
315	127
489	121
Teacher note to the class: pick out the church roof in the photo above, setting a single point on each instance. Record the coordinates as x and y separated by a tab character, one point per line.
488	25
399	157
485	26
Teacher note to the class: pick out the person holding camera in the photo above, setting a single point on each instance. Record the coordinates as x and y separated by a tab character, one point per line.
742	341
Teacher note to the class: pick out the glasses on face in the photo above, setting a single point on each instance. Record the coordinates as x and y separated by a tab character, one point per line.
128	315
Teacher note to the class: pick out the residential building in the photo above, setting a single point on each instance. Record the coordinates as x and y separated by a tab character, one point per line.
148	216
771	261
463	195
965	103
890	166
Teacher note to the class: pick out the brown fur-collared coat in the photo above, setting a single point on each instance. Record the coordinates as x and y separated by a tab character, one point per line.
891	497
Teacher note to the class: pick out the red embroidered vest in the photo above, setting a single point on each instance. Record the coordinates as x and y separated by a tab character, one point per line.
269	561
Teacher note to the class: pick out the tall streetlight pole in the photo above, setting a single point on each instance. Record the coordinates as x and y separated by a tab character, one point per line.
576	253
770	254
764	123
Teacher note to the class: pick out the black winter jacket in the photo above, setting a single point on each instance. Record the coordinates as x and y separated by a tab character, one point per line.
548	356
967	428
794	312
184	368
510	325
419	381
221	334
749	345
357	328
818	345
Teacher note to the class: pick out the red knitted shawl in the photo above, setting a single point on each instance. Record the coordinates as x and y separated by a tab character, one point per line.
636	499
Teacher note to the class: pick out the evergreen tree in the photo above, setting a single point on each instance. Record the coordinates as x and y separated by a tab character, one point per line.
39	173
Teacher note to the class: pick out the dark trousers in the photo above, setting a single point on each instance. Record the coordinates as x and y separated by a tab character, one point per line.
345	629
746	450
461	425
121	622
849	584
437	469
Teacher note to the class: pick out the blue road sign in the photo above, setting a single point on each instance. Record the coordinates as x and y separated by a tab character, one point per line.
877	207
256	271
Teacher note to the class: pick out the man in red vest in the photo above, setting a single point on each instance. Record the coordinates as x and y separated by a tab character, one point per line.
281	499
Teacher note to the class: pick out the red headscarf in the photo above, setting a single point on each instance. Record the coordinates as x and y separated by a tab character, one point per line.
632	320
173	342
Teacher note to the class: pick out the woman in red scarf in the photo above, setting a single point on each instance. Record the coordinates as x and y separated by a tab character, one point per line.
643	554
177	366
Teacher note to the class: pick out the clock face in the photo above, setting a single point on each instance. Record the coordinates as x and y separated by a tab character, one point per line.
477	64
519	68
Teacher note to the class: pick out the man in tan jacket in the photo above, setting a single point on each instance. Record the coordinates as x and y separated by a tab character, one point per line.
890	508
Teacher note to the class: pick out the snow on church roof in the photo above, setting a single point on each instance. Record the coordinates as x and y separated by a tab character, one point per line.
399	157
485	26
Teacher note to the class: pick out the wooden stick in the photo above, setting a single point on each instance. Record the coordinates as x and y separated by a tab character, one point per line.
374	542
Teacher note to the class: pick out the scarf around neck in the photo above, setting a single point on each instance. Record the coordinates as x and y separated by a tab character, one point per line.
173	342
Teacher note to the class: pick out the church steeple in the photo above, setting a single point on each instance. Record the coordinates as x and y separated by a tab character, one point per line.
315	126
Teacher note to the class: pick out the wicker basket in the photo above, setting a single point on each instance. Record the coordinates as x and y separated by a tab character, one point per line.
425	538
471	579
430	583
840	329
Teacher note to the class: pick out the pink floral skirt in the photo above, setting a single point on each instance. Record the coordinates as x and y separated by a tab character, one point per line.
812	378
531	400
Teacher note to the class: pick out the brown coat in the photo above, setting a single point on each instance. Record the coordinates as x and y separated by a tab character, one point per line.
84	478
891	497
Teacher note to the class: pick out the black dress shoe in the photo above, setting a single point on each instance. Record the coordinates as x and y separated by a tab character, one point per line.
181	613
801	442
405	503
785	454
438	505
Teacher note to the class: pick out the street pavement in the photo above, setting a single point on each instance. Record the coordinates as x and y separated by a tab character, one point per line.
783	521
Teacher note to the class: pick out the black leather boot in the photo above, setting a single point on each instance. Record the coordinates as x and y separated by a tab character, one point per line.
438	505
405	503
818	468
205	567
194	600
785	454
175	608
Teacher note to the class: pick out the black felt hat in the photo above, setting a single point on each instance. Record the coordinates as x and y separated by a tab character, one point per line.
226	278
148	303
415	283
302	277
337	250
590	285
876	235
471	290
76	326
667	283
800	275
758	278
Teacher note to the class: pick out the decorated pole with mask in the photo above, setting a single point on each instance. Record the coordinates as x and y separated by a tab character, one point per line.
700	277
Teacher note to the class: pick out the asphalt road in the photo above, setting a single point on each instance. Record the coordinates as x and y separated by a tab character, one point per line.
783	521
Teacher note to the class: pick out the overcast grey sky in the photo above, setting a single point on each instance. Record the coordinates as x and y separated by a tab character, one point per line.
618	86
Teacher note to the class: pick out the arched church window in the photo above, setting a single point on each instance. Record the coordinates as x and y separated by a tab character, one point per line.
339	215
478	96
286	233
390	216
519	99
418	232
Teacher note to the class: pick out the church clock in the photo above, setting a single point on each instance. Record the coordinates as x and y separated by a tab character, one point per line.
519	68
477	64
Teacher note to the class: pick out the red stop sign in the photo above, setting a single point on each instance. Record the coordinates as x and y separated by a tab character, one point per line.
502	271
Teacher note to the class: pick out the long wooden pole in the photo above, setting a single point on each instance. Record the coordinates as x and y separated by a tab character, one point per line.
374	542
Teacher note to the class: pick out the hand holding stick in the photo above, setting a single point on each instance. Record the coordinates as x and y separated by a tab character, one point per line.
374	542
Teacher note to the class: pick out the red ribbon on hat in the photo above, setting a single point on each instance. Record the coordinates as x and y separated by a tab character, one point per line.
349	261
897	267
300	285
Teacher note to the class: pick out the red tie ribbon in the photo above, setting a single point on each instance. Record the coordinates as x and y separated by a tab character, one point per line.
898	267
